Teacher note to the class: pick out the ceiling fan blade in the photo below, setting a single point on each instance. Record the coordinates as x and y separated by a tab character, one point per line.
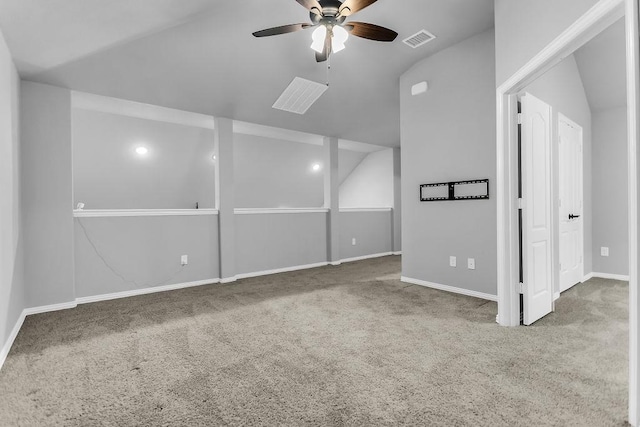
321	57
349	7
284	29
312	6
371	31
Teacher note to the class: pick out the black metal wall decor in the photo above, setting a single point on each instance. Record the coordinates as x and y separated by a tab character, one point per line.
475	189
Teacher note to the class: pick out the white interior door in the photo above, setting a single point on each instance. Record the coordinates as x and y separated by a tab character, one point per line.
536	213
570	203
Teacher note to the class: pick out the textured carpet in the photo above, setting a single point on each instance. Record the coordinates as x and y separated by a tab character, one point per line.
347	345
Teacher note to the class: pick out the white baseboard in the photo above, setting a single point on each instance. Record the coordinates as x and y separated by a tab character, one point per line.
228	280
622	277
556	295
279	270
145	291
397	253
448	288
4	352
362	258
308	266
49	308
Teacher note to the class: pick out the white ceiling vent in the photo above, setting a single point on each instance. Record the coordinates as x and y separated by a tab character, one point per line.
300	95
418	39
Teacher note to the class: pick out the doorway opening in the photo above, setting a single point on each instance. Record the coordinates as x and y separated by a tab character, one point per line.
600	17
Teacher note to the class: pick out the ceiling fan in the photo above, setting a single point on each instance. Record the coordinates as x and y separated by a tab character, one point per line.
332	31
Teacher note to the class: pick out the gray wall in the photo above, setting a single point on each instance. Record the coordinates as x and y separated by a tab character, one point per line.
12	298
348	161
370	184
449	134
525	27
269	173
177	172
372	231
610	191
47	193
273	241
562	88
144	252
272	173
127	253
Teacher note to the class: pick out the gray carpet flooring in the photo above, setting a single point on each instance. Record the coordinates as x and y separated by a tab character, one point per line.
347	345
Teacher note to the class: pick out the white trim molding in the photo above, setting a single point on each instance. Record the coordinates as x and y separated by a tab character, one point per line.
610	276
349	210
268	211
144	291
6	348
105	213
448	288
50	308
279	270
363	257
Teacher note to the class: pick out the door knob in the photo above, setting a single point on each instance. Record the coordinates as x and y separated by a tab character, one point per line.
572	216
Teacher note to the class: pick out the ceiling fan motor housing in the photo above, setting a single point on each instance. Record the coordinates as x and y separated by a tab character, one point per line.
330	9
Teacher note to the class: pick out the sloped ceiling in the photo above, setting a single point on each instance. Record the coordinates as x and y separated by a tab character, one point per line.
45	34
602	63
203	57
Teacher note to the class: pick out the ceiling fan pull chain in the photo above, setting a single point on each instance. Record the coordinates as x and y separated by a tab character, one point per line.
328	69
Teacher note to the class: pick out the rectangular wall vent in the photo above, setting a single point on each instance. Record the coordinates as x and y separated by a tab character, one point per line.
300	95
418	39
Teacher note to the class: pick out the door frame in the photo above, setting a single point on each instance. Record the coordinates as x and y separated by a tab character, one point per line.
556	236
593	22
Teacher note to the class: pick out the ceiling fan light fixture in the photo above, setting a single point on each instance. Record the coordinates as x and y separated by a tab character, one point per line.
318	37
328	18
340	36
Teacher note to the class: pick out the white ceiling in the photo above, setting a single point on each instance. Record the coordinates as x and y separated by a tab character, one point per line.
43	34
602	63
200	56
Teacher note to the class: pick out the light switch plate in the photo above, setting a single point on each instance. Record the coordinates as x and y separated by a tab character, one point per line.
353	241
471	263
184	260
452	261
604	251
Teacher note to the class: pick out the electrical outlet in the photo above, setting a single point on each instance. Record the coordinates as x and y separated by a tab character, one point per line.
471	264
353	241
604	251
452	261
184	260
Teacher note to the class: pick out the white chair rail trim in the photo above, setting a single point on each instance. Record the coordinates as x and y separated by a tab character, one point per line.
103	213
265	211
